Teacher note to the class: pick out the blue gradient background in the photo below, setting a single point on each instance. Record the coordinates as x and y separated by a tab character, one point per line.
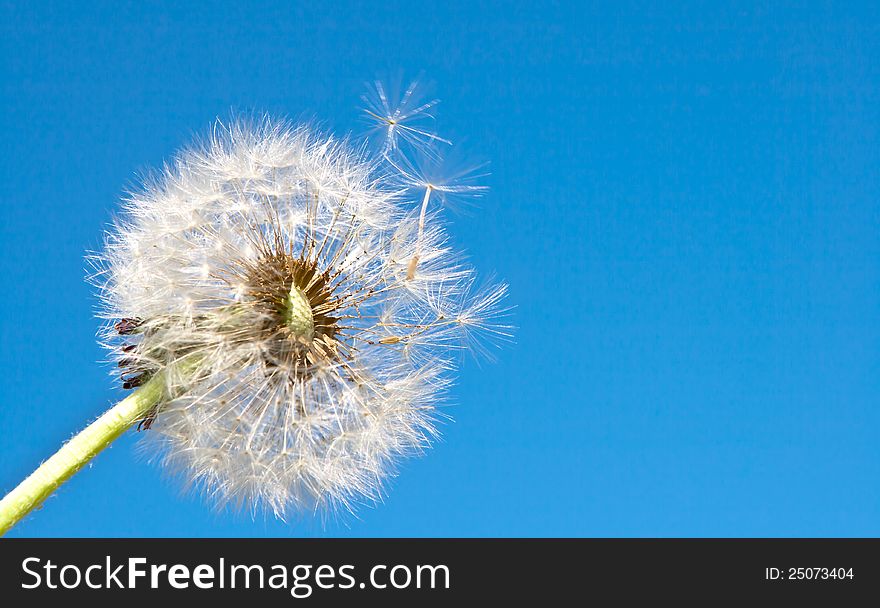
684	201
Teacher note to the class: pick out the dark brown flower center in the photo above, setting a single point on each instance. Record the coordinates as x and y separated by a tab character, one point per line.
298	297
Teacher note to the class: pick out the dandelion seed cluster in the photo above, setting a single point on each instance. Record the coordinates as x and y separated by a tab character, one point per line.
304	315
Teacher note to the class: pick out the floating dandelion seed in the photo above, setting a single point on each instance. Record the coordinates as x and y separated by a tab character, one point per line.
404	120
431	178
288	322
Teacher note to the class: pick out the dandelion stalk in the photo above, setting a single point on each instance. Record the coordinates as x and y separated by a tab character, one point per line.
74	454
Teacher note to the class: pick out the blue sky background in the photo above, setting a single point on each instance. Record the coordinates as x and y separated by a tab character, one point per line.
685	202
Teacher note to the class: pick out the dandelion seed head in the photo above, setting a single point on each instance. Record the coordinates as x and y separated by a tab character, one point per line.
267	272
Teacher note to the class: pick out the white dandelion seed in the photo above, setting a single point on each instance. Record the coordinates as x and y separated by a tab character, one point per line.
403	120
428	179
289	323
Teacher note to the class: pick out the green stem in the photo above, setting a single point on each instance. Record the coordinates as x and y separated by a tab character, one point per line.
74	454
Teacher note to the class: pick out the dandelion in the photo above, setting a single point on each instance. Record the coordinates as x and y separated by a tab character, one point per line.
263	304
